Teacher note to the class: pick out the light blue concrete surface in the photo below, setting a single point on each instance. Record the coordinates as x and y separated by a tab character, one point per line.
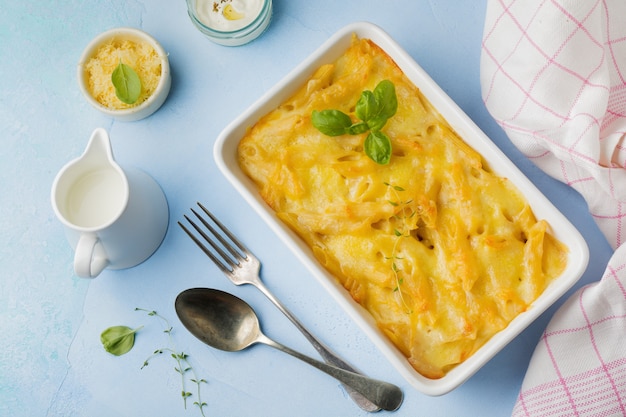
51	360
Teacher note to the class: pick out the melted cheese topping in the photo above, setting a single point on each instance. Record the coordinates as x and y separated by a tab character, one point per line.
140	56
442	252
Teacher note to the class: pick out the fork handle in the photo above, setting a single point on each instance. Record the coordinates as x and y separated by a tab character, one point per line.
386	395
325	353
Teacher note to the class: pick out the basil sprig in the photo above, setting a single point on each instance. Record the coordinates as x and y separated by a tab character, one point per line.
127	83
373	110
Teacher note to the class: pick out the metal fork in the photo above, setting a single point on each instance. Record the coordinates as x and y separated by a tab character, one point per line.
242	267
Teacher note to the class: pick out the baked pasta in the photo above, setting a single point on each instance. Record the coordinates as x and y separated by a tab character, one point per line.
441	251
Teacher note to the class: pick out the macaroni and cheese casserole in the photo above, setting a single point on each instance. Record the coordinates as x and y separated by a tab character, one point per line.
441	251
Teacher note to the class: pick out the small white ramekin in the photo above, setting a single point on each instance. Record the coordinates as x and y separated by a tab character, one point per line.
149	106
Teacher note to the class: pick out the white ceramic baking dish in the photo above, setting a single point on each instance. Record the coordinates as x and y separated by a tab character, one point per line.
225	153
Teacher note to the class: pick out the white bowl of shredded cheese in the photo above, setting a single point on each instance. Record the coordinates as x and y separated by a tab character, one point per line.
135	49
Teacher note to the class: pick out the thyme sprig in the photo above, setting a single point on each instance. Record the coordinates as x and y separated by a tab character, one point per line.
403	232
183	366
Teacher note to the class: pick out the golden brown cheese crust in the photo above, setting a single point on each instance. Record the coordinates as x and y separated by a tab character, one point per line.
442	252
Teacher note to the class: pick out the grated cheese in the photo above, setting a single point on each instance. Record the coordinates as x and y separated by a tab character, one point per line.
140	56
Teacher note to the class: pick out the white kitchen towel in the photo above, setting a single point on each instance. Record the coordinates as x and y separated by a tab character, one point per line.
553	75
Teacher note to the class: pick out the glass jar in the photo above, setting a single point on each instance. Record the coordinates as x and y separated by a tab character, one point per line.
230	22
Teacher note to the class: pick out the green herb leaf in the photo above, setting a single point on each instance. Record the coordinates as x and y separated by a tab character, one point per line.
127	83
385	93
377	107
378	147
358	128
367	107
118	340
331	122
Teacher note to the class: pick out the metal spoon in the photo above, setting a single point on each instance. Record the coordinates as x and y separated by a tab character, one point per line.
228	323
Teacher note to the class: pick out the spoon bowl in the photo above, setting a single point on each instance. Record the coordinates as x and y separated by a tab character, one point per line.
228	323
217	319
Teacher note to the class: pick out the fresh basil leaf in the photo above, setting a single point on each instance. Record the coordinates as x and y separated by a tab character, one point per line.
385	93
358	128
367	106
331	122
118	340
376	124
127	83
386	105
378	147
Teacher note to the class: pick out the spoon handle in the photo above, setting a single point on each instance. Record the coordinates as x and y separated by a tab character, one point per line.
383	394
328	356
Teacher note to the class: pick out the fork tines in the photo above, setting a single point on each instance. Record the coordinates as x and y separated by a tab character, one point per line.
231	252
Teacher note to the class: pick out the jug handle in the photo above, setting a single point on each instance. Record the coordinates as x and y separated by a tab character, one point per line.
90	258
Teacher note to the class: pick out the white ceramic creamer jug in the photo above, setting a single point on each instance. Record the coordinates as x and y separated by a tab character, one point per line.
114	218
